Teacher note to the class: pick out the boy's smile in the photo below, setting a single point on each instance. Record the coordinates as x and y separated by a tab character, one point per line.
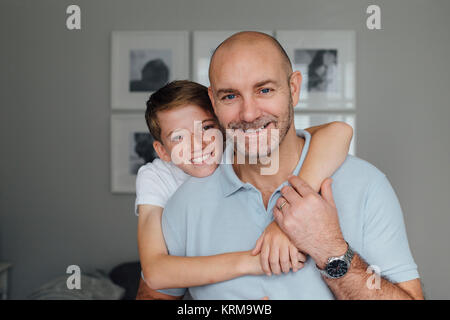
187	135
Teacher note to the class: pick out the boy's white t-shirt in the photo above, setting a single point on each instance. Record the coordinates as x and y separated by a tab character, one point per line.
156	182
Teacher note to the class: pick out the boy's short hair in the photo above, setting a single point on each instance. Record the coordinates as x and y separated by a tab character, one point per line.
173	95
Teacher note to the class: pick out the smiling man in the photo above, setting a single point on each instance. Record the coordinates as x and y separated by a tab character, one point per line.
358	219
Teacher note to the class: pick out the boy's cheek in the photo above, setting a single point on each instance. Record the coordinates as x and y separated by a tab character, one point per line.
174	152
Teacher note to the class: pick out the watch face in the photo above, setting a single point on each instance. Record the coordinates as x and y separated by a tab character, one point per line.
337	268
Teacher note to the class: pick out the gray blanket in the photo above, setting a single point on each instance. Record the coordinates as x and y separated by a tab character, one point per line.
94	286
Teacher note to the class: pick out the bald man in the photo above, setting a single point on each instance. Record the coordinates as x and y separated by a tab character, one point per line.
358	219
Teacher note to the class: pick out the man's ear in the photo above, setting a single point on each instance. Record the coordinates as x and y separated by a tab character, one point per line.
161	151
295	83
211	97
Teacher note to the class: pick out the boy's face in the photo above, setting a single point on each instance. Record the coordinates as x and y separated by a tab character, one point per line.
177	125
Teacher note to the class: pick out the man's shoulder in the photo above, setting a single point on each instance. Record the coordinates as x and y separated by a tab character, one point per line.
358	170
360	164
359	186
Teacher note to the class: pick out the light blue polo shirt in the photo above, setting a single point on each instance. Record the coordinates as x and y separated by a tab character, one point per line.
220	213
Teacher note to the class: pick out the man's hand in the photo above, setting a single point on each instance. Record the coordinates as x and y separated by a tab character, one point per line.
310	220
277	252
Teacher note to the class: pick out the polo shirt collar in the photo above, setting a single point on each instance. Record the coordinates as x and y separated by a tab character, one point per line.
230	181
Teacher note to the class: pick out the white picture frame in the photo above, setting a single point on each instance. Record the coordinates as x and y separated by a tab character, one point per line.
303	120
326	60
204	43
127	132
142	62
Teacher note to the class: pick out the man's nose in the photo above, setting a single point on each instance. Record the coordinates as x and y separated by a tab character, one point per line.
249	110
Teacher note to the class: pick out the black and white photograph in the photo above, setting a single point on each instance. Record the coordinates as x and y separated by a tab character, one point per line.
149	69
318	68
141	150
326	60
144	61
131	147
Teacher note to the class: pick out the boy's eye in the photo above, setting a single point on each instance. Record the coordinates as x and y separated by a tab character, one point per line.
207	127
177	138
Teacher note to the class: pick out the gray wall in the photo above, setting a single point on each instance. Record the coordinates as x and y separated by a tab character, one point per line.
55	204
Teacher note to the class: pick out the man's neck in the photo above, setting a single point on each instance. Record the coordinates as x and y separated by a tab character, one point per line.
289	150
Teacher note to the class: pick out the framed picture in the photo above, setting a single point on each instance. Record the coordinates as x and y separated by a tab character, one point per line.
144	61
326	60
131	147
303	120
205	42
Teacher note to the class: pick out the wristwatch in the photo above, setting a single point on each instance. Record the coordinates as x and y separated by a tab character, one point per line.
337	267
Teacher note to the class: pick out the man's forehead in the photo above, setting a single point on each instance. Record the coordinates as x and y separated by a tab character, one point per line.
248	47
254	62
235	81
248	66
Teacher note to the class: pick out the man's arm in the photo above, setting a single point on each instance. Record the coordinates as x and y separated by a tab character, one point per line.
354	285
327	151
312	223
145	293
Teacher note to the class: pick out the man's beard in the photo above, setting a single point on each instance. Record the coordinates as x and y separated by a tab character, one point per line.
251	146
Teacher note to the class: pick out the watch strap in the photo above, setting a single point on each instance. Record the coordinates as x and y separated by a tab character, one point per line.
347	257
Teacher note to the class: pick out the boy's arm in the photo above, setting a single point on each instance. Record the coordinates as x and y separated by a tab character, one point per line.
163	271
327	151
145	293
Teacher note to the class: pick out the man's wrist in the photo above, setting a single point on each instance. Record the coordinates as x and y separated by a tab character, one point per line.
336	249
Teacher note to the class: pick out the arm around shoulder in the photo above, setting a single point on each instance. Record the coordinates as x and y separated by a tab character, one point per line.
176	271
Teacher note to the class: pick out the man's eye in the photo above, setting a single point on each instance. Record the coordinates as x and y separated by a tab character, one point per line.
265	90
177	138
229	97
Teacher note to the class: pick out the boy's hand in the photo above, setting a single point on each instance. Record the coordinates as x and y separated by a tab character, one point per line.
277	253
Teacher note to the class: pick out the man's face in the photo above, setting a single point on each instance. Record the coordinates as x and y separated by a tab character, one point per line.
250	91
